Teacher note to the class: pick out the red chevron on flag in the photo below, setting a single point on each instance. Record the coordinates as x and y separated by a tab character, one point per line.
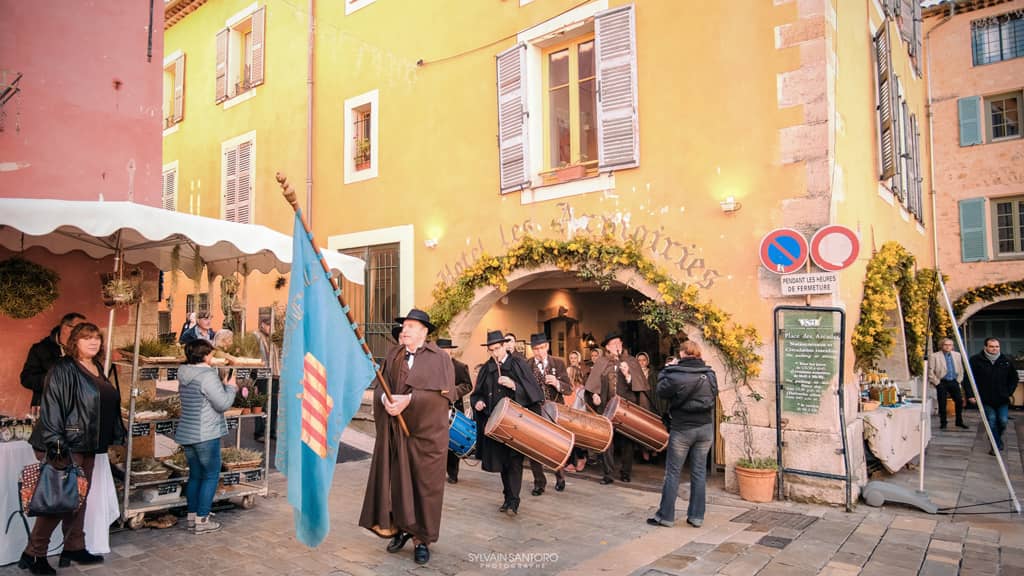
316	405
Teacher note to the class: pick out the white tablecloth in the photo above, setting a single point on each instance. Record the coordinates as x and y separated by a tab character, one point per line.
894	434
13	457
102	505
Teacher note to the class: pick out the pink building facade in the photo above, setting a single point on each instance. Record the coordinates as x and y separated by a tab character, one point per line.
82	122
976	74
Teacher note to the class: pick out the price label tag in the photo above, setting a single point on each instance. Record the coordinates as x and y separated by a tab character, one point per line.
263	373
170	488
231	479
232	423
168	427
149	373
141	429
172	373
253	475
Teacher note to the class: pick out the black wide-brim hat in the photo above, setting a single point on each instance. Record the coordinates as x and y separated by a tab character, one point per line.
419	316
538	339
494	337
396	331
611	336
446	343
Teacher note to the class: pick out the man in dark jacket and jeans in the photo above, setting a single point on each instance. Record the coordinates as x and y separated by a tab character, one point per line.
45	353
996	378
690	389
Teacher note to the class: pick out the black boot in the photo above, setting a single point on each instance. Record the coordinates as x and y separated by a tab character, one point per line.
398	542
80	556
35	564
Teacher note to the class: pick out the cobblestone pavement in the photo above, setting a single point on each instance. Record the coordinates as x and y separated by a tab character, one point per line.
593	529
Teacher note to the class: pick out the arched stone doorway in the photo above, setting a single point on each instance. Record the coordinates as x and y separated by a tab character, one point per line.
1002	318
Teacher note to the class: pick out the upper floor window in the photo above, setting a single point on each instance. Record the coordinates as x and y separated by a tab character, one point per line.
240	54
238	177
362	119
567	98
1003	114
998	38
174	89
169	196
1008	226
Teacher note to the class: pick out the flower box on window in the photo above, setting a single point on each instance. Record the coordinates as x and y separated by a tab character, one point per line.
570	173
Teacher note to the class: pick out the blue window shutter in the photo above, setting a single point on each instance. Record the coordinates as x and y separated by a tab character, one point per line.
970	120
973	246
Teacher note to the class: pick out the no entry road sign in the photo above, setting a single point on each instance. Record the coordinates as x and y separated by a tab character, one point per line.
783	250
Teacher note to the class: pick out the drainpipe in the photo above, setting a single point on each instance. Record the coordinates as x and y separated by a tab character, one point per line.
931	132
309	119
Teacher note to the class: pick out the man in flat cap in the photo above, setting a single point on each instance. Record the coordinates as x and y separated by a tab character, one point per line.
405	488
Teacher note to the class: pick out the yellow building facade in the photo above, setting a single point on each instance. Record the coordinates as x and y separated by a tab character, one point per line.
445	131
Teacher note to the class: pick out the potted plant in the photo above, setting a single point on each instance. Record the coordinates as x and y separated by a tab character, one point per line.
26	288
362	153
121	290
756	475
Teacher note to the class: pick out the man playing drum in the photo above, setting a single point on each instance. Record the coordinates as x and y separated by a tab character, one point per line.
553	378
463	386
503	376
405	488
617	373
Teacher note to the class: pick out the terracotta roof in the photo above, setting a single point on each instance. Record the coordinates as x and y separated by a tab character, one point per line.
941	7
176	10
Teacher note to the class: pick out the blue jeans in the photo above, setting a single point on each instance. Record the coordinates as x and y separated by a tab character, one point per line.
203	474
697	443
997	418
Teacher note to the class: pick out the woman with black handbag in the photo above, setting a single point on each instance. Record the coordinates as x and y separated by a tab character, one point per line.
80	415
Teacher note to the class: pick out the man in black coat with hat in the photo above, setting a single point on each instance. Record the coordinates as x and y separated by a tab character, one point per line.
463	386
617	373
553	378
503	376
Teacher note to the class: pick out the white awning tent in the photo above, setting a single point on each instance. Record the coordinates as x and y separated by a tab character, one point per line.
144	234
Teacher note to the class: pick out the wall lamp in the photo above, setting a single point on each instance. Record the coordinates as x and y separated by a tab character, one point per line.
730	205
430	242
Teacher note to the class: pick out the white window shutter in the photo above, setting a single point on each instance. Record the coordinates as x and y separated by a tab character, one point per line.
918	41
243	204
231	184
512	120
907	19
170	190
618	134
221	80
258	43
179	89
886	124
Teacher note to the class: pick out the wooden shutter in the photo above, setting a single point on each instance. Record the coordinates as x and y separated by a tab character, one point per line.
179	89
897	134
906	19
892	7
258	42
883	60
231	184
973	245
618	134
917	43
221	80
243	203
906	149
170	190
969	110
513	138
918	178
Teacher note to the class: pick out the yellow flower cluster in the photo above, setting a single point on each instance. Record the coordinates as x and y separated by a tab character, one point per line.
597	259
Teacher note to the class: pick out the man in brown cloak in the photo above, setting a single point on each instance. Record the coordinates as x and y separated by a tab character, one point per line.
405	489
553	379
617	373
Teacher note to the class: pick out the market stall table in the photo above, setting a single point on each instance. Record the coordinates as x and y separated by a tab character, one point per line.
894	434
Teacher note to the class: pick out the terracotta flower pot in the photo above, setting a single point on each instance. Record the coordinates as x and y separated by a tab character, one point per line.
756	484
257	410
245	411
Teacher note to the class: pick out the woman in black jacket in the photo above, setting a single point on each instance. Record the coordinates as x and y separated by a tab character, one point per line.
80	413
690	389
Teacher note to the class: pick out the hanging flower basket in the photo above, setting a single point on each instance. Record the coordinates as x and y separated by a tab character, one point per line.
26	288
120	290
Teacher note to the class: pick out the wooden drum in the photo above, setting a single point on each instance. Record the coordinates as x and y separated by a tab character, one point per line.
593	431
530	434
637	423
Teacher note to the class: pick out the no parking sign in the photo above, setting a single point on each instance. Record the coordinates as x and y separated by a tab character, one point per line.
783	250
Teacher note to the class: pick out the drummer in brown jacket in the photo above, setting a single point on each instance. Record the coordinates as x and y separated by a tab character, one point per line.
617	373
504	375
553	378
463	386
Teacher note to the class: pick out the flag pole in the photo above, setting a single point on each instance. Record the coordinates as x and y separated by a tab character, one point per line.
289	195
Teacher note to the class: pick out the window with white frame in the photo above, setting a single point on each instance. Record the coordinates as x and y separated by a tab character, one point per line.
567	98
361	149
174	89
240	54
170	186
238	178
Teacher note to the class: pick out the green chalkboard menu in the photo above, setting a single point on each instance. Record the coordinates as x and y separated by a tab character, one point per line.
808	343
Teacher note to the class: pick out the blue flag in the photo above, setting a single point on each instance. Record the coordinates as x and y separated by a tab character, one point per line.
323	376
